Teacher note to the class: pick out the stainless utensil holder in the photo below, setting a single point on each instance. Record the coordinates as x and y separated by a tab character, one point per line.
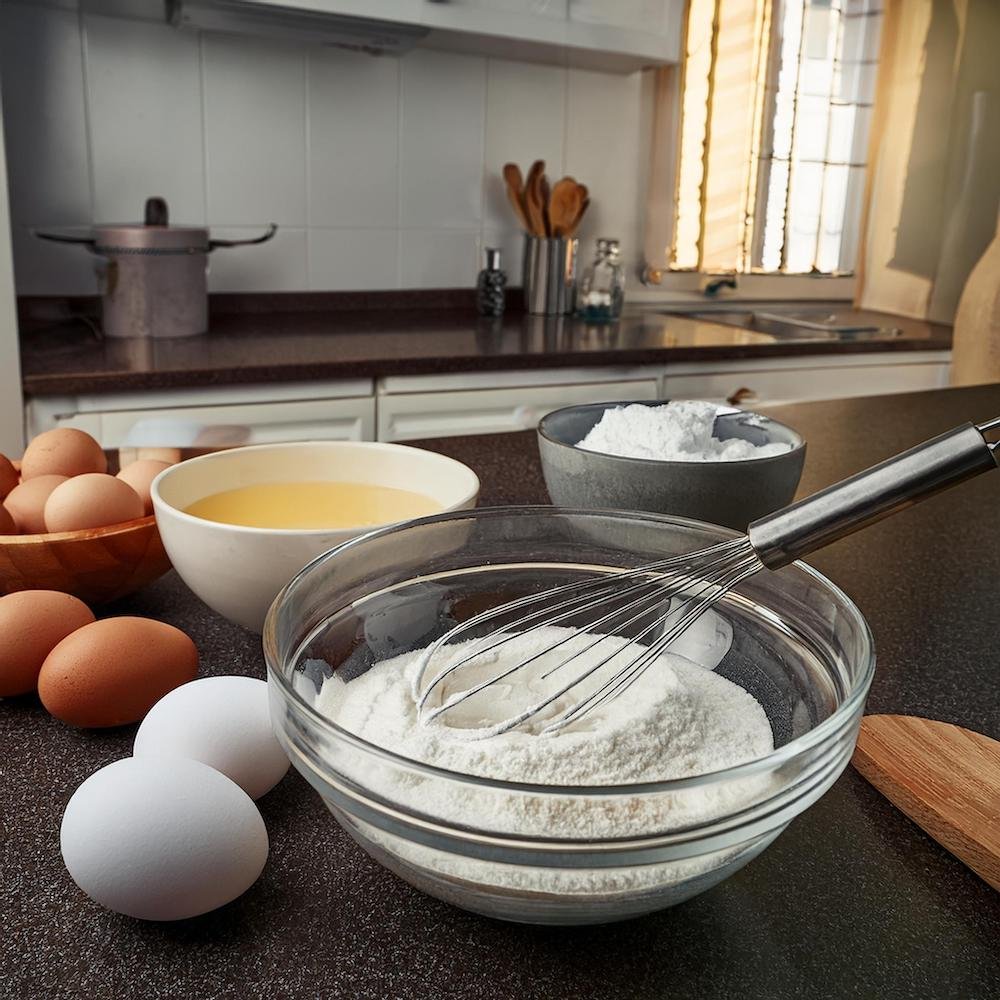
549	274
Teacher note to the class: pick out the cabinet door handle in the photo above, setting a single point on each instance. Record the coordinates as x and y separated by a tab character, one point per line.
742	395
526	417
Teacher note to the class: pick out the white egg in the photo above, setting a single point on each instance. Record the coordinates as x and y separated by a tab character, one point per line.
162	839
223	722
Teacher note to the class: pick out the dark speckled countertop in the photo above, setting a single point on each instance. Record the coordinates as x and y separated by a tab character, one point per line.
273	345
852	900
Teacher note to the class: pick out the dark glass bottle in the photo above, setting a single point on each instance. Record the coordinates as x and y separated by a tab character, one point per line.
490	285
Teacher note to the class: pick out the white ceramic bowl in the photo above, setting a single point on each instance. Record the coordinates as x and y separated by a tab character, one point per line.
237	571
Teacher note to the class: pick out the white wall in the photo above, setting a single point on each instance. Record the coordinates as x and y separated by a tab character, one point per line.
381	172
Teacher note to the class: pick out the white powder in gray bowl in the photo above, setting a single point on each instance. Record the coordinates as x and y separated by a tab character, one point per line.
679	431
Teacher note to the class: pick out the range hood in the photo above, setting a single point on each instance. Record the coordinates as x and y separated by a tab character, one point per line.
360	34
393	27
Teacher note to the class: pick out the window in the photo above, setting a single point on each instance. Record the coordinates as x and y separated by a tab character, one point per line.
775	118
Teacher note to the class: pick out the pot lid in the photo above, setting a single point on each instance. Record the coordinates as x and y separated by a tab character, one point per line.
153	235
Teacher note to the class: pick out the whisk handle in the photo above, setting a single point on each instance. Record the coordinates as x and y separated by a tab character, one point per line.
854	503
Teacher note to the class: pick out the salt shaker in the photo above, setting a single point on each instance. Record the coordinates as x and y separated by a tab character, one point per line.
490	285
602	287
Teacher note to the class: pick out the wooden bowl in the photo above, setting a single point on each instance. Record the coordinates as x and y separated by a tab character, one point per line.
95	564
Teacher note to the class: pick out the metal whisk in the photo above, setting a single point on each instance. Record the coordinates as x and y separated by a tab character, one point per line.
659	601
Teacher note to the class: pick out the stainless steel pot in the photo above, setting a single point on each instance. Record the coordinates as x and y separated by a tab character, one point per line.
154	279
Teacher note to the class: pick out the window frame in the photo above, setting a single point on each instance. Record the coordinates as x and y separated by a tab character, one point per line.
659	282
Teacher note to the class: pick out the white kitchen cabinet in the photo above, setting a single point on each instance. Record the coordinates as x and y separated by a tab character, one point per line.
215	417
787	380
417	406
443	413
406	407
588	35
651	16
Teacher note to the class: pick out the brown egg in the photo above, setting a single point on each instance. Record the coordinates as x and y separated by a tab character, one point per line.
139	475
91	501
26	502
112	672
8	476
64	451
32	624
7	524
169	455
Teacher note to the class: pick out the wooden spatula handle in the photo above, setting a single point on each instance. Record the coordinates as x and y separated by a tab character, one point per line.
945	778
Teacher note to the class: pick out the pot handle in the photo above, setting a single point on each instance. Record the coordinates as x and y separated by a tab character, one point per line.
87	241
155	212
217	244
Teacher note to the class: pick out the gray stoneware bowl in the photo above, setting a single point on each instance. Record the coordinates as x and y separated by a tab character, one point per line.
728	493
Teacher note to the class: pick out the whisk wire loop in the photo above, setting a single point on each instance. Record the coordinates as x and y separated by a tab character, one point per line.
701	581
585	591
623	679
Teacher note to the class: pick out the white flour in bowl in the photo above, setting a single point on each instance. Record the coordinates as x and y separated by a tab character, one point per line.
679	431
678	719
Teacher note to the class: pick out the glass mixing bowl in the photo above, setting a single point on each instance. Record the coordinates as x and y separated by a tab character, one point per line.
798	645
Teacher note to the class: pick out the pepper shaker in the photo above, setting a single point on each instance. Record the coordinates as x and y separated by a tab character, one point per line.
490	285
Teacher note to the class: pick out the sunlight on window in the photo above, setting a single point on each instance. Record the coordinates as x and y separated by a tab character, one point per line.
776	113
698	66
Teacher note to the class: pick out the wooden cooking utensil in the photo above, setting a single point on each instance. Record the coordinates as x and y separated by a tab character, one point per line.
584	204
515	193
564	203
544	194
533	199
945	778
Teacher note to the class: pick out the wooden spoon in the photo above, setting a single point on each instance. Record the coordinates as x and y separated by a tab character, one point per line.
945	778
533	199
543	196
564	203
515	193
584	205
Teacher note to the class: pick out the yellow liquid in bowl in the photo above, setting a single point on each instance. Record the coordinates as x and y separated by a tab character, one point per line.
313	505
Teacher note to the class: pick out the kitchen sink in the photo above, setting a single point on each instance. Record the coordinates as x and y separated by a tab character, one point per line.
798	322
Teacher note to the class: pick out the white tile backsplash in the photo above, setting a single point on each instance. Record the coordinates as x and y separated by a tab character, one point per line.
353	259
276	266
438	258
255	131
43	116
605	150
43	268
144	106
353	143
442	112
381	172
525	109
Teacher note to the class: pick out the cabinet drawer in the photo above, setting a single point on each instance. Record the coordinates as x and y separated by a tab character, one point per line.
747	388
210	426
405	416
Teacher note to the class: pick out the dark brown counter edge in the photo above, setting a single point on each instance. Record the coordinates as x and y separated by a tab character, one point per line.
34	310
290	337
